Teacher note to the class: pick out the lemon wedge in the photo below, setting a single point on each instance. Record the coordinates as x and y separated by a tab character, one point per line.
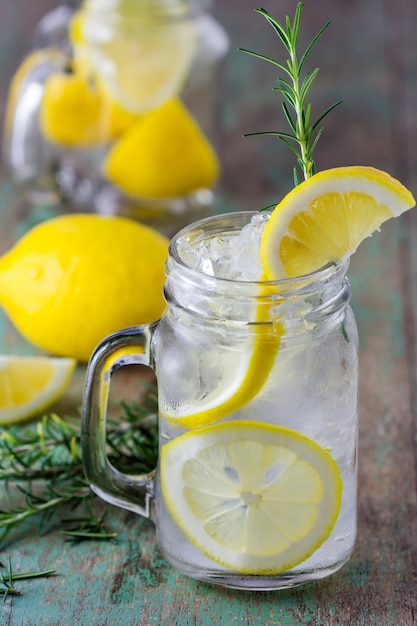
164	154
29	385
326	218
140	58
254	498
75	113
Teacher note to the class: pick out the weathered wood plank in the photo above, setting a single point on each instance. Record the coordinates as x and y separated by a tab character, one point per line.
368	58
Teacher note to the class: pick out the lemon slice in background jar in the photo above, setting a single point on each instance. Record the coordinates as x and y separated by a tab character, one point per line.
255	498
29	385
140	52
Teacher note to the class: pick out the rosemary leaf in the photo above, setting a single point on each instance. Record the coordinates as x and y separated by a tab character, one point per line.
296	91
43	461
8	578
41	574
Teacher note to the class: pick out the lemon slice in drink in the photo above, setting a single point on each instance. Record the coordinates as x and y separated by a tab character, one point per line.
255	498
140	57
242	378
29	385
326	218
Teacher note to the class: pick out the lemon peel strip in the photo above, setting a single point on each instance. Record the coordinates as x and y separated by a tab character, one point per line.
265	349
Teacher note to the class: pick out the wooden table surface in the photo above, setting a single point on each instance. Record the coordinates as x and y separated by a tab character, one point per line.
368	58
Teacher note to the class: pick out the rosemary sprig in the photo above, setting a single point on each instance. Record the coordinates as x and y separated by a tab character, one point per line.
304	133
8	578
87	527
43	460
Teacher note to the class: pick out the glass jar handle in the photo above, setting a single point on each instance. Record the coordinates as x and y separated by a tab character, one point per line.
130	346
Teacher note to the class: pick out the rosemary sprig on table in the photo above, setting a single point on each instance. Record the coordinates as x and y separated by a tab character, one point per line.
43	461
304	133
8	578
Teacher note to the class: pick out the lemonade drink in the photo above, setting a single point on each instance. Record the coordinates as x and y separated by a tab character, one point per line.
211	374
256	362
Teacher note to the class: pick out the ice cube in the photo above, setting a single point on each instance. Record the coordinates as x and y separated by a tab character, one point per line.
235	257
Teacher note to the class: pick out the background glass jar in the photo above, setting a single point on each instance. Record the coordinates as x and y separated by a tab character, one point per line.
257	388
117	110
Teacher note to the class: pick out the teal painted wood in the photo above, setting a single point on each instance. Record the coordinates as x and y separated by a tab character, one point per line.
127	582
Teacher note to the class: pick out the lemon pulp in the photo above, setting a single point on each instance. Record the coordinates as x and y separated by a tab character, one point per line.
255	498
323	219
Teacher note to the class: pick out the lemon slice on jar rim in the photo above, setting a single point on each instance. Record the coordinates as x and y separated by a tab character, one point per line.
255	498
326	217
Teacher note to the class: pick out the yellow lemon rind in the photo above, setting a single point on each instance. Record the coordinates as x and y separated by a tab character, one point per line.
75	113
250	377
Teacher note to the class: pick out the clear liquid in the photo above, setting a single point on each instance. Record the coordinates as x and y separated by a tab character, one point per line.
312	389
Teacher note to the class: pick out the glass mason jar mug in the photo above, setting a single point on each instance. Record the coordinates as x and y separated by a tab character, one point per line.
257	385
117	110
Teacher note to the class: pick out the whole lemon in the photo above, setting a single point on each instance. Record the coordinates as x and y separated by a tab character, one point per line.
73	279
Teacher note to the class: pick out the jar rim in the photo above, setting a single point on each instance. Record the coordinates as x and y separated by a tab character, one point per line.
304	282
